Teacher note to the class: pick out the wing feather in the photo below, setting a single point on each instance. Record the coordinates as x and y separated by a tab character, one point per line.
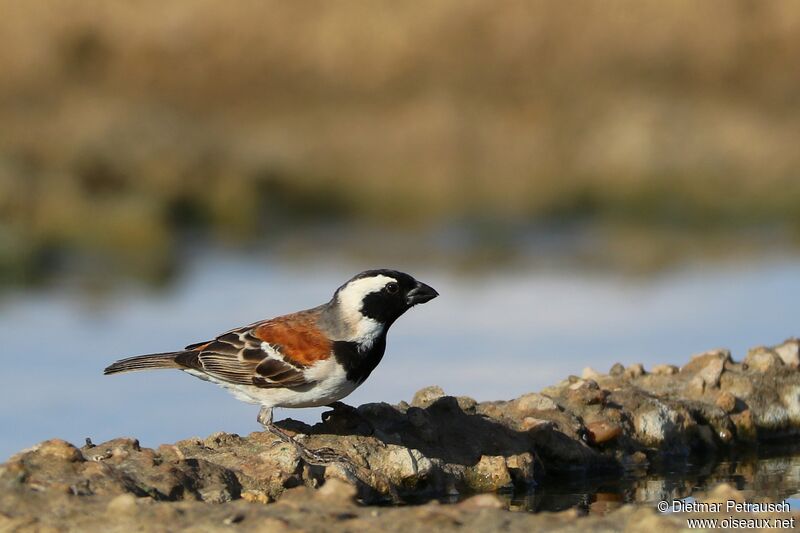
268	354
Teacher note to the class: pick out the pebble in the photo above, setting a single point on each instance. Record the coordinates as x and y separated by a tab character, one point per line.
761	359
726	401
789	352
428	395
664	370
634	371
60	449
617	369
601	431
533	402
590	373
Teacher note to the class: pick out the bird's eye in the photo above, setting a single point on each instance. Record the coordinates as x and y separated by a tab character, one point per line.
392	288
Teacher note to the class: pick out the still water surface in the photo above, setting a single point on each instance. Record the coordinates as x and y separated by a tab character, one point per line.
490	336
772	475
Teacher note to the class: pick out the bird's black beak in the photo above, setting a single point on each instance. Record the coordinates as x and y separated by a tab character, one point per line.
420	294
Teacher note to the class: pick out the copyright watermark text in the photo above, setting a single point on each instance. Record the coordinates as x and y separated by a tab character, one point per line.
731	506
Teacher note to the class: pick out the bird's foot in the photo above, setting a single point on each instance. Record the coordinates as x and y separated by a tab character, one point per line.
319	457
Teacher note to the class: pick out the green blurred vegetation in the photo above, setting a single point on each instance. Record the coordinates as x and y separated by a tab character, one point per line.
131	127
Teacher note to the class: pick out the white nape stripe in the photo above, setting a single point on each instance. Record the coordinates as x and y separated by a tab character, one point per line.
364	330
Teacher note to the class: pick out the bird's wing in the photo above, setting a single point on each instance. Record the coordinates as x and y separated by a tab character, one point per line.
270	354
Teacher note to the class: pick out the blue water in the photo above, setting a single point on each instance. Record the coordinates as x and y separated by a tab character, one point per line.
490	336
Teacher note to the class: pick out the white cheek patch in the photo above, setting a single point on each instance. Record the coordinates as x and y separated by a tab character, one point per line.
363	329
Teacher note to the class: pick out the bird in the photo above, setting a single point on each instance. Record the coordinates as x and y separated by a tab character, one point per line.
309	358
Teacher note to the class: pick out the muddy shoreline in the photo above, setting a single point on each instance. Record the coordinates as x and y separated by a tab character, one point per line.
598	425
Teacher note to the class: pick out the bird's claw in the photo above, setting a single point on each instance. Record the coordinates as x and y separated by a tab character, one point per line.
323	457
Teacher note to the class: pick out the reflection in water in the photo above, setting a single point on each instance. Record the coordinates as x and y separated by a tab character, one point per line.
773	476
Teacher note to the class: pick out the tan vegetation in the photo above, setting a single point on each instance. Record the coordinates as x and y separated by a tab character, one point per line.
122	120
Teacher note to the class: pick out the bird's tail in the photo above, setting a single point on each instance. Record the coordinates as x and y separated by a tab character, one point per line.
144	362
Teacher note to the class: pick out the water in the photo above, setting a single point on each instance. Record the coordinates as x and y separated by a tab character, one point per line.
490	336
772	474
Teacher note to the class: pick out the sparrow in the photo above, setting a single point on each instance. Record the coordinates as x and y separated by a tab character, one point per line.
310	358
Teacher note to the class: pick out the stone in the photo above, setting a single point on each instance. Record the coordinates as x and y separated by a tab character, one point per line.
789	352
489	474
533	402
600	432
616	370
634	371
59	449
403	465
522	468
424	397
656	425
708	367
762	359
529	423
726	401
745	426
664	370
450	445
590	373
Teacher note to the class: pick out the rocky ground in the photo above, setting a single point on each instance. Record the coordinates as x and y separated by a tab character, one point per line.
597	424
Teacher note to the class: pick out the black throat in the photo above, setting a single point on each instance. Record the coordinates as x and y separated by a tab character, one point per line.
358	361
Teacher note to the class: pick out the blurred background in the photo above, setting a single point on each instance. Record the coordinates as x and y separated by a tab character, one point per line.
583	182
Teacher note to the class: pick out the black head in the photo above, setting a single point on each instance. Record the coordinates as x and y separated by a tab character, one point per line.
383	295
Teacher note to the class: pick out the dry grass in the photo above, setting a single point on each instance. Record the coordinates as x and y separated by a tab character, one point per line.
122	119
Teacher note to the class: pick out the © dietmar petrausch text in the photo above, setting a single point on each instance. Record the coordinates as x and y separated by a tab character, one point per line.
741	521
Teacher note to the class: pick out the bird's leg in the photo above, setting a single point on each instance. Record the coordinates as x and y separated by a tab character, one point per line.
322	456
265	416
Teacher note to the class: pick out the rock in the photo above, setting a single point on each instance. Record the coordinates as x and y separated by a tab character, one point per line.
761	359
616	370
488	475
532	402
726	401
587	392
791	399
59	449
590	373
746	431
466	403
522	469
442	445
634	371
789	352
402	465
600	432
428	395
664	370
530	422
656	425
708	367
